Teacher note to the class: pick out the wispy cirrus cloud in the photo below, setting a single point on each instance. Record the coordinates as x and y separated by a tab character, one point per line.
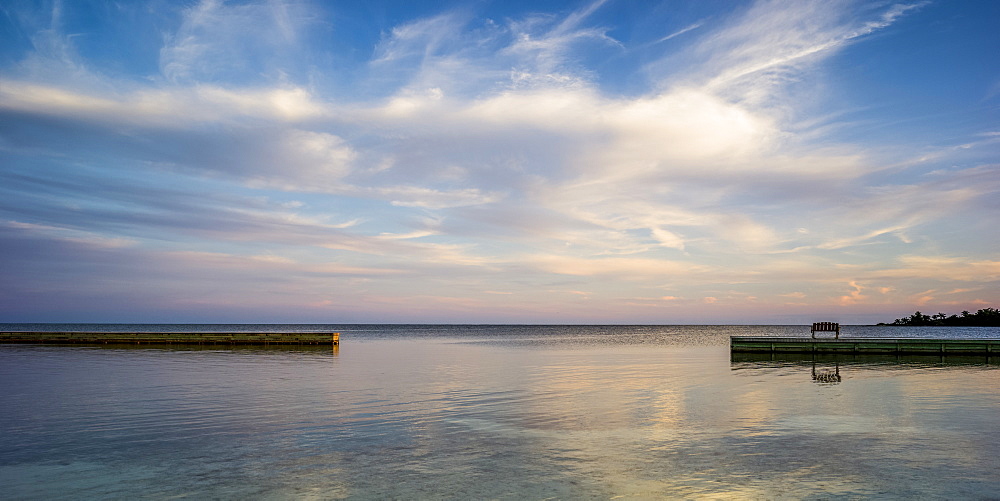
774	41
220	41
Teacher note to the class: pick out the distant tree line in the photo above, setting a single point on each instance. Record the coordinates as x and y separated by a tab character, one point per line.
986	317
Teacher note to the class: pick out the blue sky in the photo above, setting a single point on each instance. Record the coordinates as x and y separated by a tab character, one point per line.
498	162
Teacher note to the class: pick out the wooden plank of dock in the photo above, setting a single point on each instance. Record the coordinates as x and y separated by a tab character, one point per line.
913	346
232	338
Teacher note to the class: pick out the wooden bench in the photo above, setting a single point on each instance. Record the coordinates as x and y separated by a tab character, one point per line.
826	327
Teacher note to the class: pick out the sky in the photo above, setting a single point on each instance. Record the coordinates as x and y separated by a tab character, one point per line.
566	162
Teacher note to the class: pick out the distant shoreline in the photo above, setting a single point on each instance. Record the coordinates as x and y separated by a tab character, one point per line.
986	317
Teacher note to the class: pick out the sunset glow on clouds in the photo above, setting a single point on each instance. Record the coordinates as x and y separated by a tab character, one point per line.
496	162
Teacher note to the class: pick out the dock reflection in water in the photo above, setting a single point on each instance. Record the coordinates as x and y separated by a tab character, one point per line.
826	368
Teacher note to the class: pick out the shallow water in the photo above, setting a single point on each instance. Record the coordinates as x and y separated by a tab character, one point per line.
496	412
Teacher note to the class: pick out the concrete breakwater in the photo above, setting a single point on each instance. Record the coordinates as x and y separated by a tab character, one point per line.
256	338
914	346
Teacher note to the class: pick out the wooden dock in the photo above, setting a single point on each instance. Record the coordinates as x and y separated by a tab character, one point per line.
221	338
909	346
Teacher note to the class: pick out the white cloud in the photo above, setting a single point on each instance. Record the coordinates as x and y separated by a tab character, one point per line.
225	41
623	268
951	268
415	196
489	147
91	240
173	107
775	40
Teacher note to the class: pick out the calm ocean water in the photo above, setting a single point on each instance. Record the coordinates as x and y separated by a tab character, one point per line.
495	412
